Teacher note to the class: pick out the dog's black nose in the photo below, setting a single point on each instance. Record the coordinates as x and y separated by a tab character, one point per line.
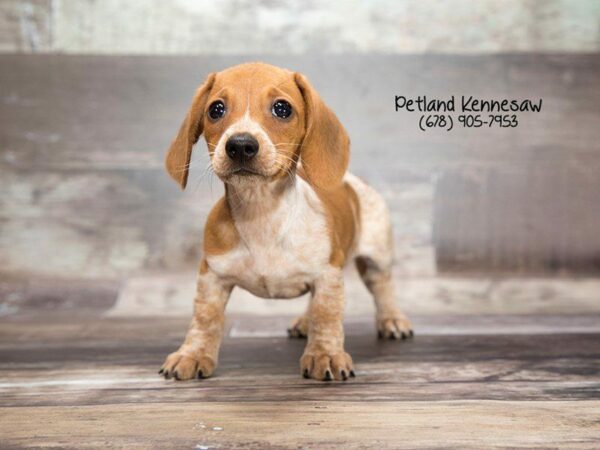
241	147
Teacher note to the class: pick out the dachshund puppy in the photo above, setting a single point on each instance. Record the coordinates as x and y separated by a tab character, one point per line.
290	219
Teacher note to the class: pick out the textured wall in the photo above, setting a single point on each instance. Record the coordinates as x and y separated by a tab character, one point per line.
84	192
298	26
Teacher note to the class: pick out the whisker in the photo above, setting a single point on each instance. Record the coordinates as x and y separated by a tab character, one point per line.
288	158
185	167
286	143
208	170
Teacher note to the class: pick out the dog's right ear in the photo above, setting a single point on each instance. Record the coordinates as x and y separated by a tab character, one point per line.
180	152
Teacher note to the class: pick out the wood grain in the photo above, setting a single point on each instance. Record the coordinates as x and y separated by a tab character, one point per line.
292	425
93	382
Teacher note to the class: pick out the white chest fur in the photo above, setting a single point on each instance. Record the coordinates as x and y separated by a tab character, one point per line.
284	241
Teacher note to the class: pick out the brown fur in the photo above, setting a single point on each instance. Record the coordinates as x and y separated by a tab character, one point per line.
316	137
220	234
325	146
311	144
325	154
341	204
180	152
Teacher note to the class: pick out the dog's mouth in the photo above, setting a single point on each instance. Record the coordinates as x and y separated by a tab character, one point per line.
245	172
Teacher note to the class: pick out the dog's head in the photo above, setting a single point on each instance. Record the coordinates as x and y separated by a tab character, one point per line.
259	121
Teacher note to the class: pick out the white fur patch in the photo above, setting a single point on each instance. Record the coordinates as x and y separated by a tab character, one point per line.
375	239
284	242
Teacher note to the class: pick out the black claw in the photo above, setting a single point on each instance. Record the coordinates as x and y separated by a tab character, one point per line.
161	371
305	374
352	374
295	333
411	333
328	376
394	336
176	375
404	335
167	375
199	375
380	334
343	374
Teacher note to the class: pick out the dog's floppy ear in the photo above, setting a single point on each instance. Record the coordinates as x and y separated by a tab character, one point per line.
180	152
325	148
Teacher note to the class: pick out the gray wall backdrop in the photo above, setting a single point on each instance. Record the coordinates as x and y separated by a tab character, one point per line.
237	27
82	137
84	192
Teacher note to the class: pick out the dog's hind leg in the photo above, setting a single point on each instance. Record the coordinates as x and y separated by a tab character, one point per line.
374	257
299	327
391	322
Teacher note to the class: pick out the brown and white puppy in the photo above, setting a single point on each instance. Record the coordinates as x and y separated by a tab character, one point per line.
290	219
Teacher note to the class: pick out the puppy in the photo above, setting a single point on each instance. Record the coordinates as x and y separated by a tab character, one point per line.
290	219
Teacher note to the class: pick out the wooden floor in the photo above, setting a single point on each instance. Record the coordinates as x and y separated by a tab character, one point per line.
476	382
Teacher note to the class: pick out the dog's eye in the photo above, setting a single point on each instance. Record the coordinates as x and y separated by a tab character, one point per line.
216	110
281	109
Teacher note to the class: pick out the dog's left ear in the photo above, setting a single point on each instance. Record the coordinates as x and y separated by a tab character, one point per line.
180	152
325	150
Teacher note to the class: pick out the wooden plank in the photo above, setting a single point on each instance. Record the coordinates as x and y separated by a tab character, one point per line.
93	383
289	424
115	361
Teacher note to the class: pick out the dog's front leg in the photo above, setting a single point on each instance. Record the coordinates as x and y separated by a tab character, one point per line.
198	355
324	357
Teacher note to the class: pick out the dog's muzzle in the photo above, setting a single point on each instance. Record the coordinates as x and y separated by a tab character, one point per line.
241	148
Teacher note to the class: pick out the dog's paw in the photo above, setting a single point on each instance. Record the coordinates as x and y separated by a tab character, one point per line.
397	327
326	366
183	367
298	328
